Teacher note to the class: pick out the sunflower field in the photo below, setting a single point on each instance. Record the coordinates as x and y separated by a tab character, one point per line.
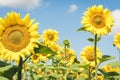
27	55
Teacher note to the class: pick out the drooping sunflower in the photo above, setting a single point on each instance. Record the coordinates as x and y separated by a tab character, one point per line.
18	36
117	40
87	55
50	36
97	20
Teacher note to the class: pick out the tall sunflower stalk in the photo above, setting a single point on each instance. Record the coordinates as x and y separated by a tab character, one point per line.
20	69
97	21
95	58
66	45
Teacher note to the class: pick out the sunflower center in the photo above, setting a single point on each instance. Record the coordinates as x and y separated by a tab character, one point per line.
90	56
15	38
98	21
51	37
35	56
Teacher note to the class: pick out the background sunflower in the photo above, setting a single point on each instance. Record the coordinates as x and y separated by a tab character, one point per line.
50	36
117	40
87	55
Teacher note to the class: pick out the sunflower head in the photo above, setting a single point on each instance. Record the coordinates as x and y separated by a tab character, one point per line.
97	20
18	36
100	77
108	68
40	73
55	47
117	40
50	36
87	55
35	58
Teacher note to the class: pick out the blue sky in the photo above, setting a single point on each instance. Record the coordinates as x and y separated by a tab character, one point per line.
65	16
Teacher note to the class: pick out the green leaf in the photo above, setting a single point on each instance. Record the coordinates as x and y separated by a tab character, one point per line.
2	64
109	75
62	68
106	58
36	77
3	78
117	77
90	39
54	75
98	39
113	45
43	50
81	29
81	79
83	65
77	69
114	64
8	71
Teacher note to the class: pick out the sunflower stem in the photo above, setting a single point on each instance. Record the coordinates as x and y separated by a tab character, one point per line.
26	59
46	68
89	73
95	45
65	53
20	69
65	61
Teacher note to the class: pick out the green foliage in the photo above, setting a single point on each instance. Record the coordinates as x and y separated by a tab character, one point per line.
8	71
114	64
90	39
98	39
44	50
106	58
3	78
54	76
82	79
81	29
66	43
109	75
2	64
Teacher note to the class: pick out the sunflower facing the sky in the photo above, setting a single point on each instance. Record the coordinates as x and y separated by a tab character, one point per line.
87	55
117	40
18	36
97	20
50	36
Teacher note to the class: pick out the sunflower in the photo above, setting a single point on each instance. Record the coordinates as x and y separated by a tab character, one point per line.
88	55
40	73
117	40
18	37
55	47
83	75
50	36
97	20
100	77
35	58
108	68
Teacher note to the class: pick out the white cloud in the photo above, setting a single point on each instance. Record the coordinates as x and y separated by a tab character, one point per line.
116	27
72	8
25	4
